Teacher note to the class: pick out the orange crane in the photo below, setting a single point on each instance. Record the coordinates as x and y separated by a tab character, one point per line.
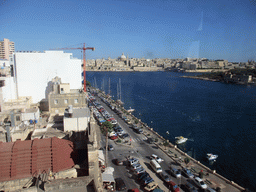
84	61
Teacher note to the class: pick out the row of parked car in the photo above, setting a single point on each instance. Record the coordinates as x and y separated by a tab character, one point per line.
142	176
100	113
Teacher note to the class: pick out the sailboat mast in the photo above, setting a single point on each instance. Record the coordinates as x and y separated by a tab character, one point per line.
95	82
117	91
109	86
103	85
120	88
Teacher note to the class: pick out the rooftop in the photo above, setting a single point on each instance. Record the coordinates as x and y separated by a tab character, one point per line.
79	112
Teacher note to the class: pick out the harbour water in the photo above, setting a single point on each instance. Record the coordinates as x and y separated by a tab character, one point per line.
217	118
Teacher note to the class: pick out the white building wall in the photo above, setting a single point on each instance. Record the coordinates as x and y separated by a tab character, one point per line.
9	90
82	123
76	124
30	116
34	70
4	63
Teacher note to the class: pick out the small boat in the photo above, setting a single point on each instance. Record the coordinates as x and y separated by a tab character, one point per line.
211	157
180	140
130	110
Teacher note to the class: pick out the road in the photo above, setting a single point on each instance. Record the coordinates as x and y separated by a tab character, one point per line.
140	149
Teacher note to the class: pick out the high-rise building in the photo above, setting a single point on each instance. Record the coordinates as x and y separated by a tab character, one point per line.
6	48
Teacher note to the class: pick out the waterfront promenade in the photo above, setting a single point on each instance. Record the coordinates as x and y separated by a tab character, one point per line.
211	178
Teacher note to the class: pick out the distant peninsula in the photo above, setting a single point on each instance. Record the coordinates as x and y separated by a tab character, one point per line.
234	76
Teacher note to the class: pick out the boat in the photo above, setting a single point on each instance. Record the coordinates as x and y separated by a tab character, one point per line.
211	157
130	110
180	140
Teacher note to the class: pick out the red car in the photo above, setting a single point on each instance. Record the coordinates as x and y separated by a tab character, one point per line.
134	190
173	187
113	137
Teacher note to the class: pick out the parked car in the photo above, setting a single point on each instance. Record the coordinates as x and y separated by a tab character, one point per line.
175	172
200	183
187	173
124	135
158	159
134	190
165	177
142	175
151	186
138	130
150	140
120	131
118	161
113	133
113	137
134	126
189	187
135	166
139	170
110	148
133	161
114	122
120	185
173	187
147	180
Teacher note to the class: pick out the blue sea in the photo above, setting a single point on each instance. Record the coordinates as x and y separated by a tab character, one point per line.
217	118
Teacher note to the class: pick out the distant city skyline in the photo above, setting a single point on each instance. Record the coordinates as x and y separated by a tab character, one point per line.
148	29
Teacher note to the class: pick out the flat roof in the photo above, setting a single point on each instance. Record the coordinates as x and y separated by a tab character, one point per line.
79	112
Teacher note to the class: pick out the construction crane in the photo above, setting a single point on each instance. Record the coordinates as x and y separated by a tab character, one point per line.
84	61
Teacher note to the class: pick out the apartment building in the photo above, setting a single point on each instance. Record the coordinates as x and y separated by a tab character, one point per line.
6	49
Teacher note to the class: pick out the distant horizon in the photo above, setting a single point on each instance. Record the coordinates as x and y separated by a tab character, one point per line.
131	57
148	29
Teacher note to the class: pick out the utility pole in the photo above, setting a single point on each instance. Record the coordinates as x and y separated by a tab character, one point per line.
106	164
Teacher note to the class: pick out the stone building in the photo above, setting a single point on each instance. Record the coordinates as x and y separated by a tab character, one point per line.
62	96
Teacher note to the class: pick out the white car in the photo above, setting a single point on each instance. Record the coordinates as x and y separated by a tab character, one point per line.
158	159
113	133
133	161
200	183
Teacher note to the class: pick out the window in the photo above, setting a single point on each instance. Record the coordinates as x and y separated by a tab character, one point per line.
66	101
76	101
56	101
17	118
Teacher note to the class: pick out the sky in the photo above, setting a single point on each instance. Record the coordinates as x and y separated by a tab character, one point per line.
219	29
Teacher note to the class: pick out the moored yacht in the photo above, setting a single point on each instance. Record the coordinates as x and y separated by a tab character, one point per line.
211	157
180	140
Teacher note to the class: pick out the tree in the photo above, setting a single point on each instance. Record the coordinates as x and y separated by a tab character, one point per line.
165	144
136	121
88	83
201	174
107	126
186	160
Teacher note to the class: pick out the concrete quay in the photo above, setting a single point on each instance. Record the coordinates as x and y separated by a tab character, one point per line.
211	177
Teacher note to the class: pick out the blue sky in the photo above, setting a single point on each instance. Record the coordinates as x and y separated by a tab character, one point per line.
139	28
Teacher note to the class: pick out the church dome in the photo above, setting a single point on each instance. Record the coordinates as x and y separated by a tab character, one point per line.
123	57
